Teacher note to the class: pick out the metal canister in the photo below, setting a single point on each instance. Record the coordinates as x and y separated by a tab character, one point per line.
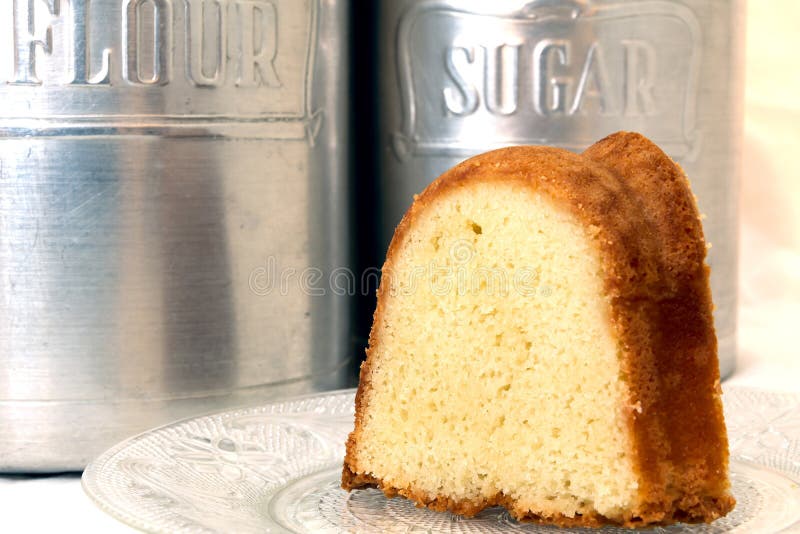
459	77
173	190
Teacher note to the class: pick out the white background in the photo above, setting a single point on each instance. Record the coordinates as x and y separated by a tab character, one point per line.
769	296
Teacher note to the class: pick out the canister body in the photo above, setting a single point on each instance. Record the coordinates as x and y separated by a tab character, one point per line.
173	189
460	77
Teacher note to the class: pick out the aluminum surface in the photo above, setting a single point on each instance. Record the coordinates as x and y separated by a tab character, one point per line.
459	77
173	184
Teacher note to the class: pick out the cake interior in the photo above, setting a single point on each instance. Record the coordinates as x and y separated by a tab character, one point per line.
495	371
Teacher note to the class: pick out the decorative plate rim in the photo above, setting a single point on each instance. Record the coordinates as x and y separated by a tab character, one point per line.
95	493
101	497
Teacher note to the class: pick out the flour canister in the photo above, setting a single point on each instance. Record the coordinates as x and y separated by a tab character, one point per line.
459	77
173	195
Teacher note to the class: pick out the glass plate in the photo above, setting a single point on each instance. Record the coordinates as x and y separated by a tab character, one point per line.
276	468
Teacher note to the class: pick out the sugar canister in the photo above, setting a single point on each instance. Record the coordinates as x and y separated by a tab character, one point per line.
459	77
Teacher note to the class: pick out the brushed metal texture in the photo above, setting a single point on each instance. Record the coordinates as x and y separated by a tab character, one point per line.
170	170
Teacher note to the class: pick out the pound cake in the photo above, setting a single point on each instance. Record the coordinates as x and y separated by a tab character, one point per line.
544	341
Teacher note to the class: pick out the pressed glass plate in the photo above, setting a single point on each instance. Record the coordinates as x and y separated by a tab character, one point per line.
276	468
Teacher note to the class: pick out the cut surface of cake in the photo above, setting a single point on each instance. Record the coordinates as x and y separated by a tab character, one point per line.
543	340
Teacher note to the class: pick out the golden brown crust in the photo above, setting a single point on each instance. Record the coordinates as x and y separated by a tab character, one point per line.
639	205
694	510
673	328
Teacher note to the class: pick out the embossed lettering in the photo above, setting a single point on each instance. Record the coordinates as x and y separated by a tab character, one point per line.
242	68
27	39
82	59
464	98
226	42
640	77
501	79
550	91
594	82
552	85
199	41
545	73
147	34
258	27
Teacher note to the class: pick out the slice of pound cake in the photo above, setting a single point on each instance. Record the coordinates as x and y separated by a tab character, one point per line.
543	341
